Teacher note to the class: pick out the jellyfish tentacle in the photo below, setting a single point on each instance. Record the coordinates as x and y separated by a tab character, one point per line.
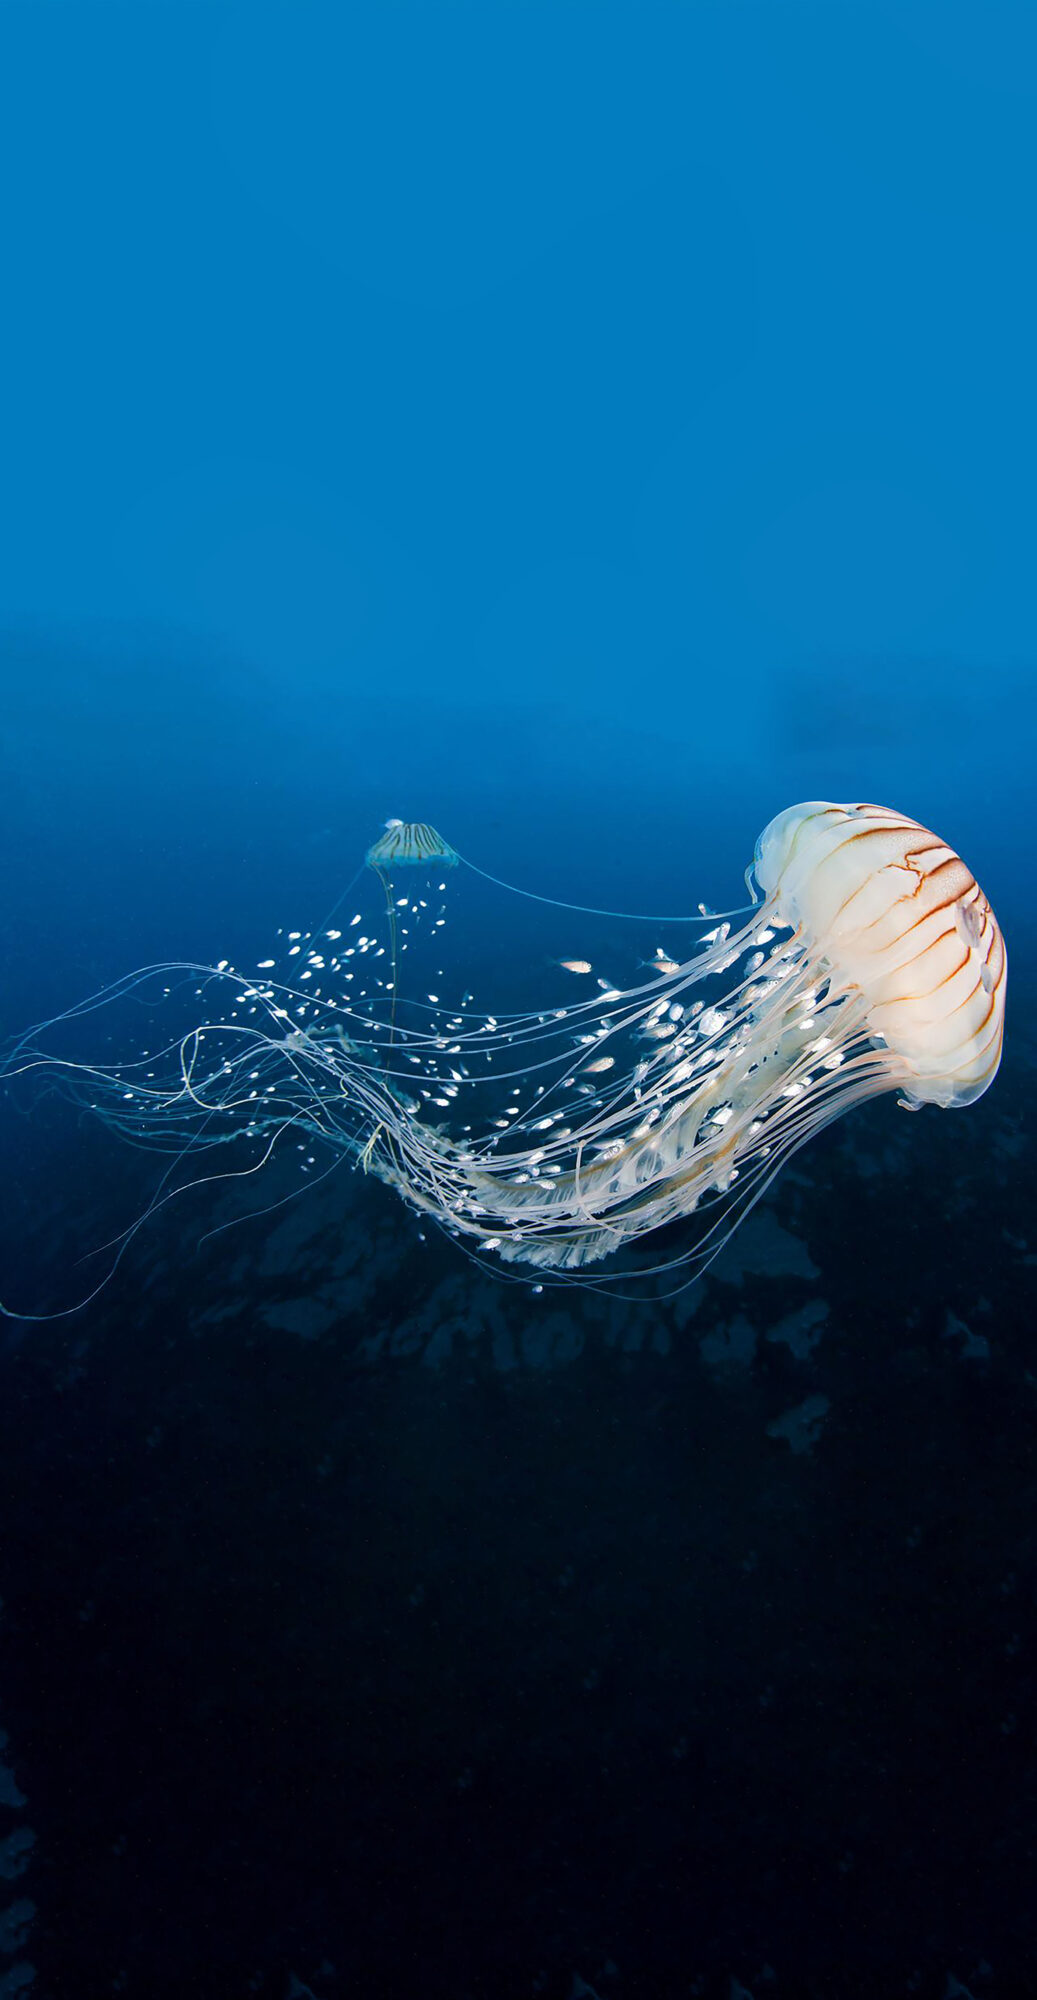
619	916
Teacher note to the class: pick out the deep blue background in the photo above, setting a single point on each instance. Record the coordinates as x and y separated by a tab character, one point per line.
591	428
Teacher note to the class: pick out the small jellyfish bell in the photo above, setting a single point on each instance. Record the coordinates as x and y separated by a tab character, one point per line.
557	1138
409	844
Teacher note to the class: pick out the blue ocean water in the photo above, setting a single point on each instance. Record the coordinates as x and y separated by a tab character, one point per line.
589	431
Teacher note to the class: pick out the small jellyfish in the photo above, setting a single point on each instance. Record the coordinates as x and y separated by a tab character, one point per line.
409	844
404	844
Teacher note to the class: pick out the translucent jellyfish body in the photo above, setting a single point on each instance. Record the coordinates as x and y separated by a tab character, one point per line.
873	963
554	1139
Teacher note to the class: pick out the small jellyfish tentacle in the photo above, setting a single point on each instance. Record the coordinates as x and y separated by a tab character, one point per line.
617	916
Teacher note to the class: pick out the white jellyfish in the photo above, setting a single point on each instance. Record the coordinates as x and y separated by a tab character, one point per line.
557	1138
873	963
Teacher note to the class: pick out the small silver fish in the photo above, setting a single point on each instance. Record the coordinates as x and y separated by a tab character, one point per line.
661	964
575	964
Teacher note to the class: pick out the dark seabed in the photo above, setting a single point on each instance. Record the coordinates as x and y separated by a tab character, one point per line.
372	1626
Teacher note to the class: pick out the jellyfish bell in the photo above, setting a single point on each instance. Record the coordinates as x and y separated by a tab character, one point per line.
897	915
410	844
557	1142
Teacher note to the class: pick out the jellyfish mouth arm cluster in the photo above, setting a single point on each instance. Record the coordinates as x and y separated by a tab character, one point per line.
730	1096
554	1139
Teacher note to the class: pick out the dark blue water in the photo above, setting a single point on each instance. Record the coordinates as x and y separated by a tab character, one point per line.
590	432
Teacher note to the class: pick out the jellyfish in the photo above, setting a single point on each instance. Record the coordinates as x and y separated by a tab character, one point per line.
555	1143
409	844
404	844
873	963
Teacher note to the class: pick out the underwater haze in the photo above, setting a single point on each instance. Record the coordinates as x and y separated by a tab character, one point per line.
588	431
